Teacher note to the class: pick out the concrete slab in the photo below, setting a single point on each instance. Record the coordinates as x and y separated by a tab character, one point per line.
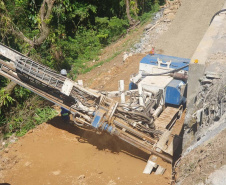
160	170
149	167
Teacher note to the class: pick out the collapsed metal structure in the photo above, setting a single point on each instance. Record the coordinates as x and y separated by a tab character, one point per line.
146	115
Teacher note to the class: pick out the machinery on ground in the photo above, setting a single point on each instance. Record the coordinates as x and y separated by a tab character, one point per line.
146	115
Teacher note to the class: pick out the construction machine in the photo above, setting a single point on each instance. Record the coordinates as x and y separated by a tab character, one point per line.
144	117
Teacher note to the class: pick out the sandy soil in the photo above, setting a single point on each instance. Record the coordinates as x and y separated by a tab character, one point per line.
58	153
108	79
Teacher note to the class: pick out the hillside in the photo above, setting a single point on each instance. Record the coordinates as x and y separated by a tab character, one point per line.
59	153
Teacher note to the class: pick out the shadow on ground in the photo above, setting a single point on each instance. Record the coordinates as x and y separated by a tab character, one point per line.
102	141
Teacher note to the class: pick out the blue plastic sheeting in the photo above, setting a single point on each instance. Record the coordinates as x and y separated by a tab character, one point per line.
173	95
176	62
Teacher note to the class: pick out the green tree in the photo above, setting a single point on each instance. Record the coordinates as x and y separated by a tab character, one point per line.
63	34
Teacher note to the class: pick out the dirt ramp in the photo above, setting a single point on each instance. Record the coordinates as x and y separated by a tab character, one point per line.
188	28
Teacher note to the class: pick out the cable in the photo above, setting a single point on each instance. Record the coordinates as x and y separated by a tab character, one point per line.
158	74
135	115
216	15
76	123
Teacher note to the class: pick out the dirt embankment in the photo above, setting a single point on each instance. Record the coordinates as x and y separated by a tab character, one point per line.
196	167
179	37
57	153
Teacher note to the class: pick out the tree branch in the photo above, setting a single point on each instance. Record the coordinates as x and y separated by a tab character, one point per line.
44	13
135	8
22	36
128	12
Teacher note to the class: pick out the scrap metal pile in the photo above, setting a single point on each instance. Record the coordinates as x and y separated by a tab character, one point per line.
210	102
145	116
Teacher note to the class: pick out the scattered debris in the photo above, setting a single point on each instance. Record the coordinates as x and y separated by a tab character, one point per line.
81	177
160	24
148	27
111	182
160	171
149	167
126	55
196	168
210	101
218	177
6	150
56	172
28	164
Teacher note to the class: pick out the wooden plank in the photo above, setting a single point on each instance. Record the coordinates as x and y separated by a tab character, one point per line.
165	118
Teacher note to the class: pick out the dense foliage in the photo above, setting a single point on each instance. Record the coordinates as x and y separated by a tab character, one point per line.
63	34
77	29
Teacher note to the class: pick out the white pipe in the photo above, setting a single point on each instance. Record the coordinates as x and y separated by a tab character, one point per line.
158	111
122	89
140	91
80	82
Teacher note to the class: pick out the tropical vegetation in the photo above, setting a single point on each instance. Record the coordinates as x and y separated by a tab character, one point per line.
60	34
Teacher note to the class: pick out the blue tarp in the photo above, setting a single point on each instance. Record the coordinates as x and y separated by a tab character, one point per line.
176	62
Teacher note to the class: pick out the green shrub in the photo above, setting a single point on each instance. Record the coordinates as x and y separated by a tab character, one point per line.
21	94
26	116
5	98
3	82
78	32
22	124
110	29
147	15
2	120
